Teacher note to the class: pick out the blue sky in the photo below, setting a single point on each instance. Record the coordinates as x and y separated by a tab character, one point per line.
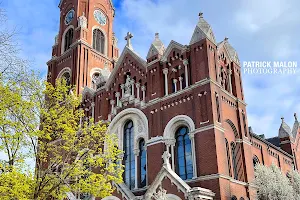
260	30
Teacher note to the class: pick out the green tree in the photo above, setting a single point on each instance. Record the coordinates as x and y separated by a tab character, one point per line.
73	156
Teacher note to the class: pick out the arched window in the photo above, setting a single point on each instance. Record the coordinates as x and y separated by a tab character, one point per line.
142	164
255	161
183	81
234	162
98	41
129	159
67	77
245	125
173	85
234	198
228	157
68	39
184	163
218	107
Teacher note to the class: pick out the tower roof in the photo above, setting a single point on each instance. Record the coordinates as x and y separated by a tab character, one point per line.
157	47
296	126
202	30
284	130
232	53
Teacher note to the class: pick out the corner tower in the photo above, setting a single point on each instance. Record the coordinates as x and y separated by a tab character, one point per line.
85	48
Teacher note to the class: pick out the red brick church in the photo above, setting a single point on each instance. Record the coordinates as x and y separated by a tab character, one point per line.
180	114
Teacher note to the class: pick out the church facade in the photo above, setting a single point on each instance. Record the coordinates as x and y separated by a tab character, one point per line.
180	114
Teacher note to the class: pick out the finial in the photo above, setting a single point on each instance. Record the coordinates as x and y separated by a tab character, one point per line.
282	118
83	14
226	38
156	35
201	14
128	39
295	115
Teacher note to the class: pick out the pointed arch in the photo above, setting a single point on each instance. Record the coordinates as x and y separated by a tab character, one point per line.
231	124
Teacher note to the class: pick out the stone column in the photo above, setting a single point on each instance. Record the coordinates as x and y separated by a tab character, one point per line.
136	154
118	99
185	63
180	82
165	71
138	85
112	103
144	93
123	90
132	88
192	138
229	80
93	110
175	84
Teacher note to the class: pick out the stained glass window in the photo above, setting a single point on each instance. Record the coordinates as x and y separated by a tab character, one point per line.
184	163
143	164
129	159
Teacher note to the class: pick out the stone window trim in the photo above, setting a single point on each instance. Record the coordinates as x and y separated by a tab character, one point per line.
63	71
64	36
169	138
140	123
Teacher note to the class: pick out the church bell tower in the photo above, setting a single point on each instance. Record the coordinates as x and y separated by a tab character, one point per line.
85	48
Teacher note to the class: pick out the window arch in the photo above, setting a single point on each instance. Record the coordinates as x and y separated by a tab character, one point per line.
129	158
67	77
98	41
184	163
68	39
142	164
234	198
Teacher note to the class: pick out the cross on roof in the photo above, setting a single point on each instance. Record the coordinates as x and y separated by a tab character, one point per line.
201	14
128	39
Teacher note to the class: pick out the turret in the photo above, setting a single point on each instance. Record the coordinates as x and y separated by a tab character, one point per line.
285	136
202	30
156	50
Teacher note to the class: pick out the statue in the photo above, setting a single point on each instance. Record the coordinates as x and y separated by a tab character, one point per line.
128	86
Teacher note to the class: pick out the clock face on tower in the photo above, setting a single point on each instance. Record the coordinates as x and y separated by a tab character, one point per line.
69	17
100	17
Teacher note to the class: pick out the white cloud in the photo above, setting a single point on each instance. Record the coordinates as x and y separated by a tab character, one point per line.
255	14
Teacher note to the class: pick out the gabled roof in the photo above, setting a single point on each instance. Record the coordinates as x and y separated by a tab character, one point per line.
61	1
284	130
167	172
126	50
170	47
202	30
231	52
125	191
